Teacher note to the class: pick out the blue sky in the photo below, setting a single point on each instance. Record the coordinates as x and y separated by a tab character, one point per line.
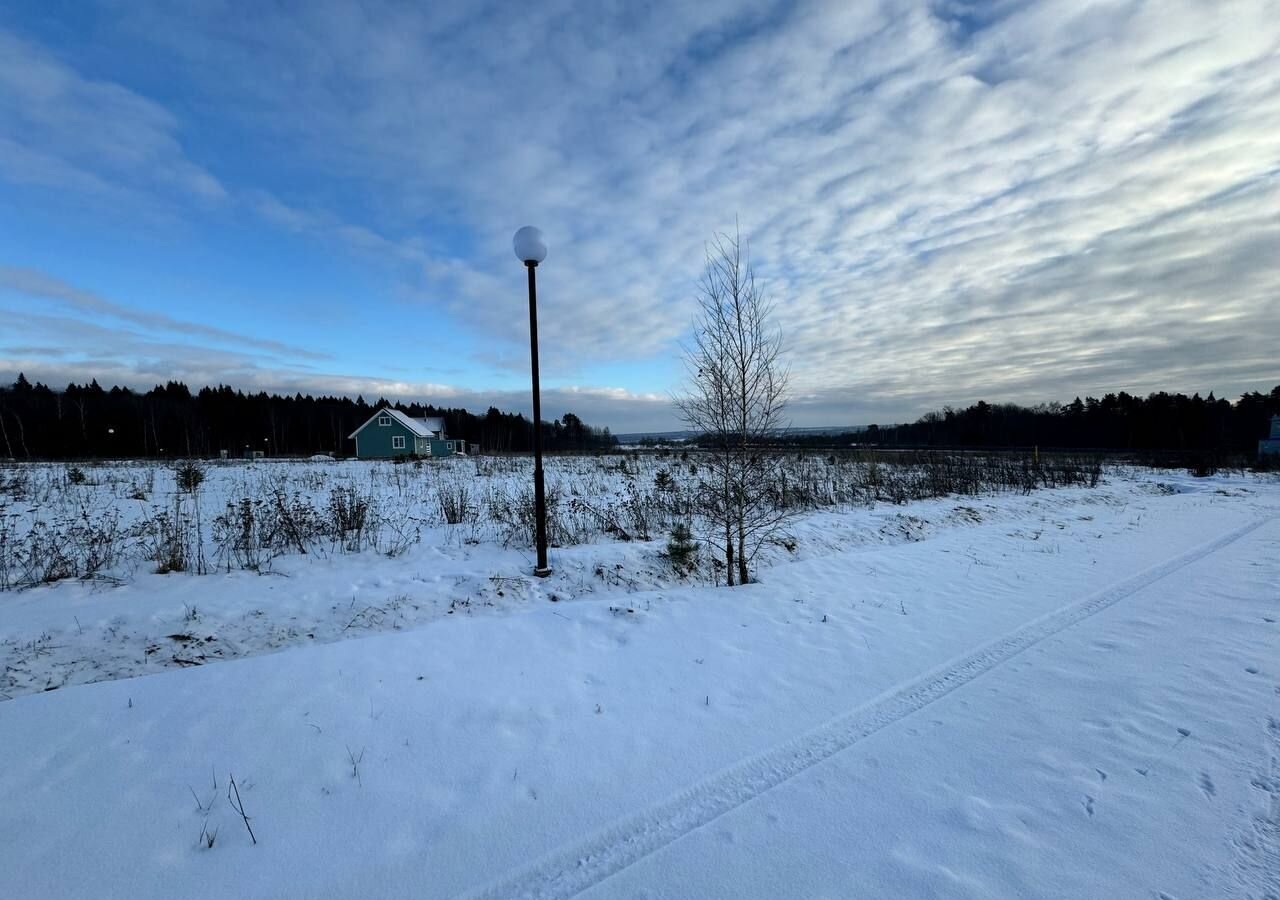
946	201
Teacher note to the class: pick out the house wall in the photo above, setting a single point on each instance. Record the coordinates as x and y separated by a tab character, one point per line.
374	440
1271	446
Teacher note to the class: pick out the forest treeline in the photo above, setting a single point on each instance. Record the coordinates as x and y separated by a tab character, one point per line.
1157	422
88	421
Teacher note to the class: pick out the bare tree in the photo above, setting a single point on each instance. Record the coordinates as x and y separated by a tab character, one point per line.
736	395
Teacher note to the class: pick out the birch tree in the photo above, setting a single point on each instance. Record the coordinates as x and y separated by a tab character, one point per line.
735	400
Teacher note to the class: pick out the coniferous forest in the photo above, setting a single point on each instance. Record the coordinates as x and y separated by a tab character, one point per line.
1155	424
1160	421
89	421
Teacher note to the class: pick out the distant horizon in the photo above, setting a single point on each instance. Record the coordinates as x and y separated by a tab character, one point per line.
520	403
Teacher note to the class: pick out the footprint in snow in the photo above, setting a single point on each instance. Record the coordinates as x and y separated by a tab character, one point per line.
1088	805
1206	785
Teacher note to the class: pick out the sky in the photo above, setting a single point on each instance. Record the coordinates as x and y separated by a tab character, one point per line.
945	201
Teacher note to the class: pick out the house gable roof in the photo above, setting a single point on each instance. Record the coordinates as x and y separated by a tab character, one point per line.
420	427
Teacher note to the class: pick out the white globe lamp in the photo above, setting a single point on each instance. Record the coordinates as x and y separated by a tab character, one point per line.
530	245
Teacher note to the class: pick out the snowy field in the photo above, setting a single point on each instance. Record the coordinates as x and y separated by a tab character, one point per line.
1073	692
114	570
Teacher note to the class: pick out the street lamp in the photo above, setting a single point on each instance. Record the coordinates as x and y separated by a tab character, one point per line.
531	249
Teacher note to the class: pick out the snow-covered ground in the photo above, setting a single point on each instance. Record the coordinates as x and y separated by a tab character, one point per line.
278	576
1073	693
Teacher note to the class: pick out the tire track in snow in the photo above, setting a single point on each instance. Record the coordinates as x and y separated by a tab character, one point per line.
574	868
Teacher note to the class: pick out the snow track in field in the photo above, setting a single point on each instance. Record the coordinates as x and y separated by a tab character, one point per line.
575	868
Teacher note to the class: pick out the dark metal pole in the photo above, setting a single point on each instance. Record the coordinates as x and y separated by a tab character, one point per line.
539	491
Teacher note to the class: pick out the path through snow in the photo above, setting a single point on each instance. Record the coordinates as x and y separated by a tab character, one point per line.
575	869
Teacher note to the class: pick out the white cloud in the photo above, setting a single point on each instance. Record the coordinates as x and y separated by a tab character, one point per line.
34	284
59	129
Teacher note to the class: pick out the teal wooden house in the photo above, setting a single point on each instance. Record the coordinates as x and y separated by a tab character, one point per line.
390	433
1271	446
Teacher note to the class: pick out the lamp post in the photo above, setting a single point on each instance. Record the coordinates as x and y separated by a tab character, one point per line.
531	249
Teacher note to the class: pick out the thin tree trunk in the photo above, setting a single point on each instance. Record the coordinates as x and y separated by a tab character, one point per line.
5	432
728	552
22	436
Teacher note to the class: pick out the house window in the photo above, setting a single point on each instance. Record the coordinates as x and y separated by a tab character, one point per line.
384	420
397	442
